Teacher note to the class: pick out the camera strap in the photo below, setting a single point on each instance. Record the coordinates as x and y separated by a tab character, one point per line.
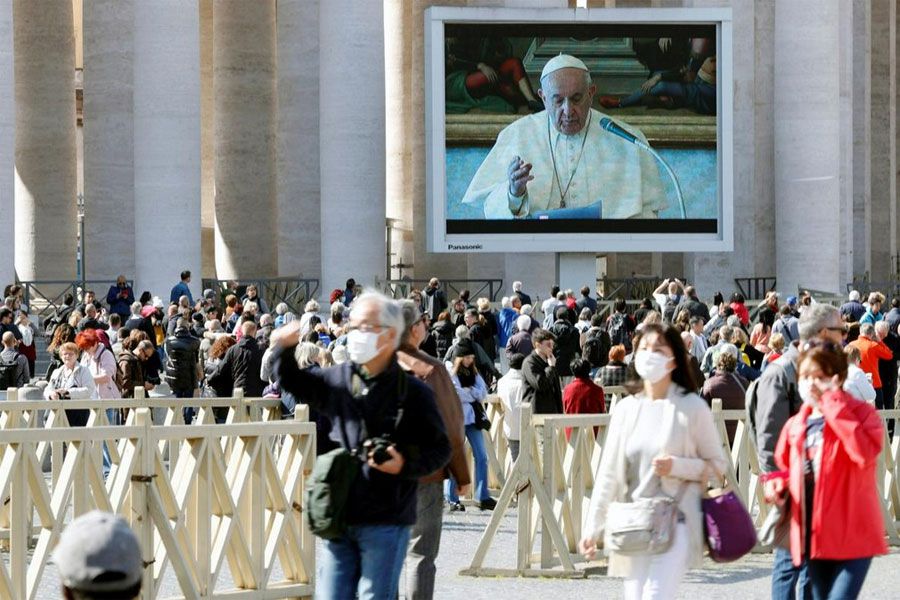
359	390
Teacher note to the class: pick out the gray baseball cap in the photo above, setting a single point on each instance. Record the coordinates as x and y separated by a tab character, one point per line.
98	552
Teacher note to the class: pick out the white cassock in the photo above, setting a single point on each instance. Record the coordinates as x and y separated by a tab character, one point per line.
613	171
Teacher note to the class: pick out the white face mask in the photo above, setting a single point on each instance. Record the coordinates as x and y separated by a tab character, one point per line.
651	366
806	387
362	346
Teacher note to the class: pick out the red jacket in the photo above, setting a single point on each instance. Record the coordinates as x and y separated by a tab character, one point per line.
846	521
583	396
740	309
870	352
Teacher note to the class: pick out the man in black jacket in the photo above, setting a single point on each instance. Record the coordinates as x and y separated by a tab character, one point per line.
183	364
568	342
241	365
366	398
542	388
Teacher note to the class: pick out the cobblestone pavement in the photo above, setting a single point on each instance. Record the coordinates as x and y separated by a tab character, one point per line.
745	579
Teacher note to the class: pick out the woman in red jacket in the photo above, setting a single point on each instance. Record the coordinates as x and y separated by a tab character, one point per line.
829	451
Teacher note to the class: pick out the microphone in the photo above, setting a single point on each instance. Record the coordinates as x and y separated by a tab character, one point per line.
610	126
607	124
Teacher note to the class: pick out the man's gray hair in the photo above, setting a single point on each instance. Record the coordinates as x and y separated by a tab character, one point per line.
281	308
462	332
854	296
411	316
867	329
90	310
504	302
882	328
517	286
726	333
817	317
248	327
266	319
136	308
391	315
523	323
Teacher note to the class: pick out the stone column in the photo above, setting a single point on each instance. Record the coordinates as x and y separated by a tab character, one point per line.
398	56
351	92
244	46
299	219
754	156
862	131
7	145
807	145
880	234
45	139
166	144
109	138
207	142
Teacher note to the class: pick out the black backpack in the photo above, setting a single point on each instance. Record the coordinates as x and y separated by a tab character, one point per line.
8	372
669	310
596	347
617	327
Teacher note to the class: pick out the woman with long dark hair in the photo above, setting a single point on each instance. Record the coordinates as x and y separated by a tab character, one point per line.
662	442
471	389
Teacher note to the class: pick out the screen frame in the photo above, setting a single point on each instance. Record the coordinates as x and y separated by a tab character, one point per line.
437	238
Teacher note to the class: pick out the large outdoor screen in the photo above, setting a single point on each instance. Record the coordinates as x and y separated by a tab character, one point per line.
578	130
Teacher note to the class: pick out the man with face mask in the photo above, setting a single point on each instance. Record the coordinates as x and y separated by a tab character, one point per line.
777	399
366	398
563	158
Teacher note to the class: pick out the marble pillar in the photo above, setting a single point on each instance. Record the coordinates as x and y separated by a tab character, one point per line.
807	145
352	147
299	218
109	138
45	200
882	214
244	49
7	145
398	23
207	143
166	145
862	131
754	154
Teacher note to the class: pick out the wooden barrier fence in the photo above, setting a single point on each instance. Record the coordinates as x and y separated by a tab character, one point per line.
553	480
228	494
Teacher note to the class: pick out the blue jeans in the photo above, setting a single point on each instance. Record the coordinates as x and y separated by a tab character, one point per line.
479	452
837	579
785	577
364	563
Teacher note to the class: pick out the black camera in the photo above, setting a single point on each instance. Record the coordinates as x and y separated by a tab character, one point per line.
377	447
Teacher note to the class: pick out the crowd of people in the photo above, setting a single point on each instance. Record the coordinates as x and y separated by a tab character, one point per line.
416	372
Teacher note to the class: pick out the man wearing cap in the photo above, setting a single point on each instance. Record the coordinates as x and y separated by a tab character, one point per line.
562	158
425	540
98	556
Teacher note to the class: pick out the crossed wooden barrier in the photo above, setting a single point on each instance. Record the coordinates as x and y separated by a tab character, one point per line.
198	497
554	476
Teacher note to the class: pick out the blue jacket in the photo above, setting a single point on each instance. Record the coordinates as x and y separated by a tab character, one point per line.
335	392
118	304
181	289
506	320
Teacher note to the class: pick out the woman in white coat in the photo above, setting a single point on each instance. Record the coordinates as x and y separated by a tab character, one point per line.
71	381
659	438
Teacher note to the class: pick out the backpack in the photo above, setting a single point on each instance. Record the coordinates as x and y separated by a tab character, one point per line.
119	375
8	372
751	398
596	347
669	310
617	327
333	477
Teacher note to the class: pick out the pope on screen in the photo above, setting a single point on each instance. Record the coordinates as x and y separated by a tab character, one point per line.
561	158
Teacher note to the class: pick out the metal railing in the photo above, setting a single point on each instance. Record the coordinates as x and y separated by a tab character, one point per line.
478	288
630	288
755	287
45	297
293	291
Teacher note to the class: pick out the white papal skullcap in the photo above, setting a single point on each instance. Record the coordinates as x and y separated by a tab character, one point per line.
563	61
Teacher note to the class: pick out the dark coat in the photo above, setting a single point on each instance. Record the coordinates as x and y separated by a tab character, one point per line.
519	343
442	331
420	436
542	388
568	345
241	366
182	360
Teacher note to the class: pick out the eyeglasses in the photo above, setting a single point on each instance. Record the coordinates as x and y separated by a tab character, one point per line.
365	327
829	346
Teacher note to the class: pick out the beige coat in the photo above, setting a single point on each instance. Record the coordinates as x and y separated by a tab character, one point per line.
694	444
